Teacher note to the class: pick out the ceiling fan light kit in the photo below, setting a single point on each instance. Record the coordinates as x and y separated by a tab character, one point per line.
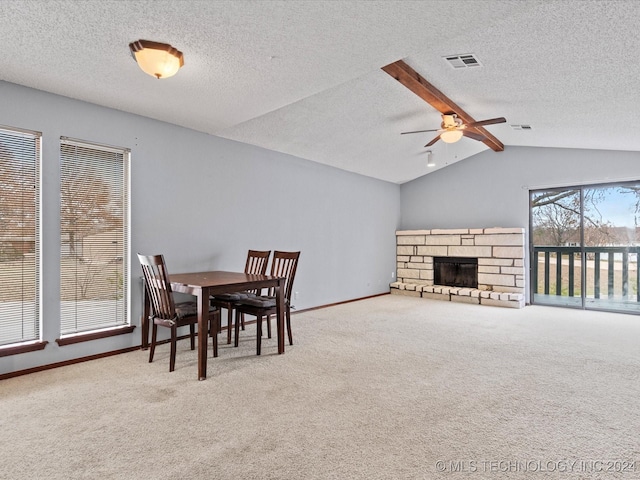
159	60
451	135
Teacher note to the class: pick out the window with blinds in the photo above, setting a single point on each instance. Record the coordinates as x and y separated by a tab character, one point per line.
94	240
19	241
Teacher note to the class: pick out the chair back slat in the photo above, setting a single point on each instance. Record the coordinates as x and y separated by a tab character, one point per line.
257	261
285	265
156	278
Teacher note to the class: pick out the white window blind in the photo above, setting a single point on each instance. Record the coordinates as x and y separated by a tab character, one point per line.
94	240
19	241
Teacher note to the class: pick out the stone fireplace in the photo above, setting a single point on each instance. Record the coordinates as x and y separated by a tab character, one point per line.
432	264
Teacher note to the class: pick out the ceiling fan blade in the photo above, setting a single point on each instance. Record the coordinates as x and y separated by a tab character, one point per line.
475	136
490	121
420	131
433	141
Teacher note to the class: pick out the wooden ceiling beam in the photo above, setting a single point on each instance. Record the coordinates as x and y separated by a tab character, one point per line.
411	79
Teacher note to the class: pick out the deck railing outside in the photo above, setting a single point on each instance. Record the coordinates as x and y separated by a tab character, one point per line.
611	272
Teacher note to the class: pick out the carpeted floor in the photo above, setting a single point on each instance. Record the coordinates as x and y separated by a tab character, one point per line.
391	387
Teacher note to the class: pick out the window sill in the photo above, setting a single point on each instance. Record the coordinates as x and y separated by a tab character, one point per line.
24	348
87	337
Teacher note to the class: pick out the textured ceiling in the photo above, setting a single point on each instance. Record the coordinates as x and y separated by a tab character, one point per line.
304	78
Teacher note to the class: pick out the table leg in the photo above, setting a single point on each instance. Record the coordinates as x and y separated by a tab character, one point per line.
203	331
280	315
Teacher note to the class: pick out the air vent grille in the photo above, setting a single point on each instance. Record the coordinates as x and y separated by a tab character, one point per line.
466	60
521	127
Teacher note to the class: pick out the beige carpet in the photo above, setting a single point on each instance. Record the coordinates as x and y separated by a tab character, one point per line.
386	388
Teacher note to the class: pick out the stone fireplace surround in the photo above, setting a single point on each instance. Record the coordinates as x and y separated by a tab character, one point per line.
500	253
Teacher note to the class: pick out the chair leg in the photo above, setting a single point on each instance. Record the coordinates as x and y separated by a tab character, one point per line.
215	328
229	322
241	321
268	326
288	314
152	349
237	329
192	335
258	334
174	341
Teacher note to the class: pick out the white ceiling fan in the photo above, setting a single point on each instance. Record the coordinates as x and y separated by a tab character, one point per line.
456	123
453	129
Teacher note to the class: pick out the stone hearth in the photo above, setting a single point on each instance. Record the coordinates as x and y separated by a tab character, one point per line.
500	254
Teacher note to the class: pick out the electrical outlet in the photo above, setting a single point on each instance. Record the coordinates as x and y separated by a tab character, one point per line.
295	295
393	274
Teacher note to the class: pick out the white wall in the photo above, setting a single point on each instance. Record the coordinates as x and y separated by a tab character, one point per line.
492	189
203	201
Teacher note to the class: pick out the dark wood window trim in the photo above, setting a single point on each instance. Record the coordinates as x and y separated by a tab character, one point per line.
18	349
87	337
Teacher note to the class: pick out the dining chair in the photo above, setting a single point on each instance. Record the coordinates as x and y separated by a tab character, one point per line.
166	313
256	264
284	264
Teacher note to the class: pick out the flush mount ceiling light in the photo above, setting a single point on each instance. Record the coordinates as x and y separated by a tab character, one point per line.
159	60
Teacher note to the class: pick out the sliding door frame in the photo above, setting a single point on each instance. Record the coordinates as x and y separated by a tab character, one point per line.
582	249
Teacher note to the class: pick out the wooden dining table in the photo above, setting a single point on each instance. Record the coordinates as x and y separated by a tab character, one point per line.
202	285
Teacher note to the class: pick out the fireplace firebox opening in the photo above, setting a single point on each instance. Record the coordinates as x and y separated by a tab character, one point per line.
456	271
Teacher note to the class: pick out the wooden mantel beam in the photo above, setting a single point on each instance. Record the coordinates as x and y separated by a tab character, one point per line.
411	79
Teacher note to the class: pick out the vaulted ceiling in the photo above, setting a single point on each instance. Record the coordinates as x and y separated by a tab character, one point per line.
305	77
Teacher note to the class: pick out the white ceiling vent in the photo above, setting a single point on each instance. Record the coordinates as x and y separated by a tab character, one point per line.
466	60
521	127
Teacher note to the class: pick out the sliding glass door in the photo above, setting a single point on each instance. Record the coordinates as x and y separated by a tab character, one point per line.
584	247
